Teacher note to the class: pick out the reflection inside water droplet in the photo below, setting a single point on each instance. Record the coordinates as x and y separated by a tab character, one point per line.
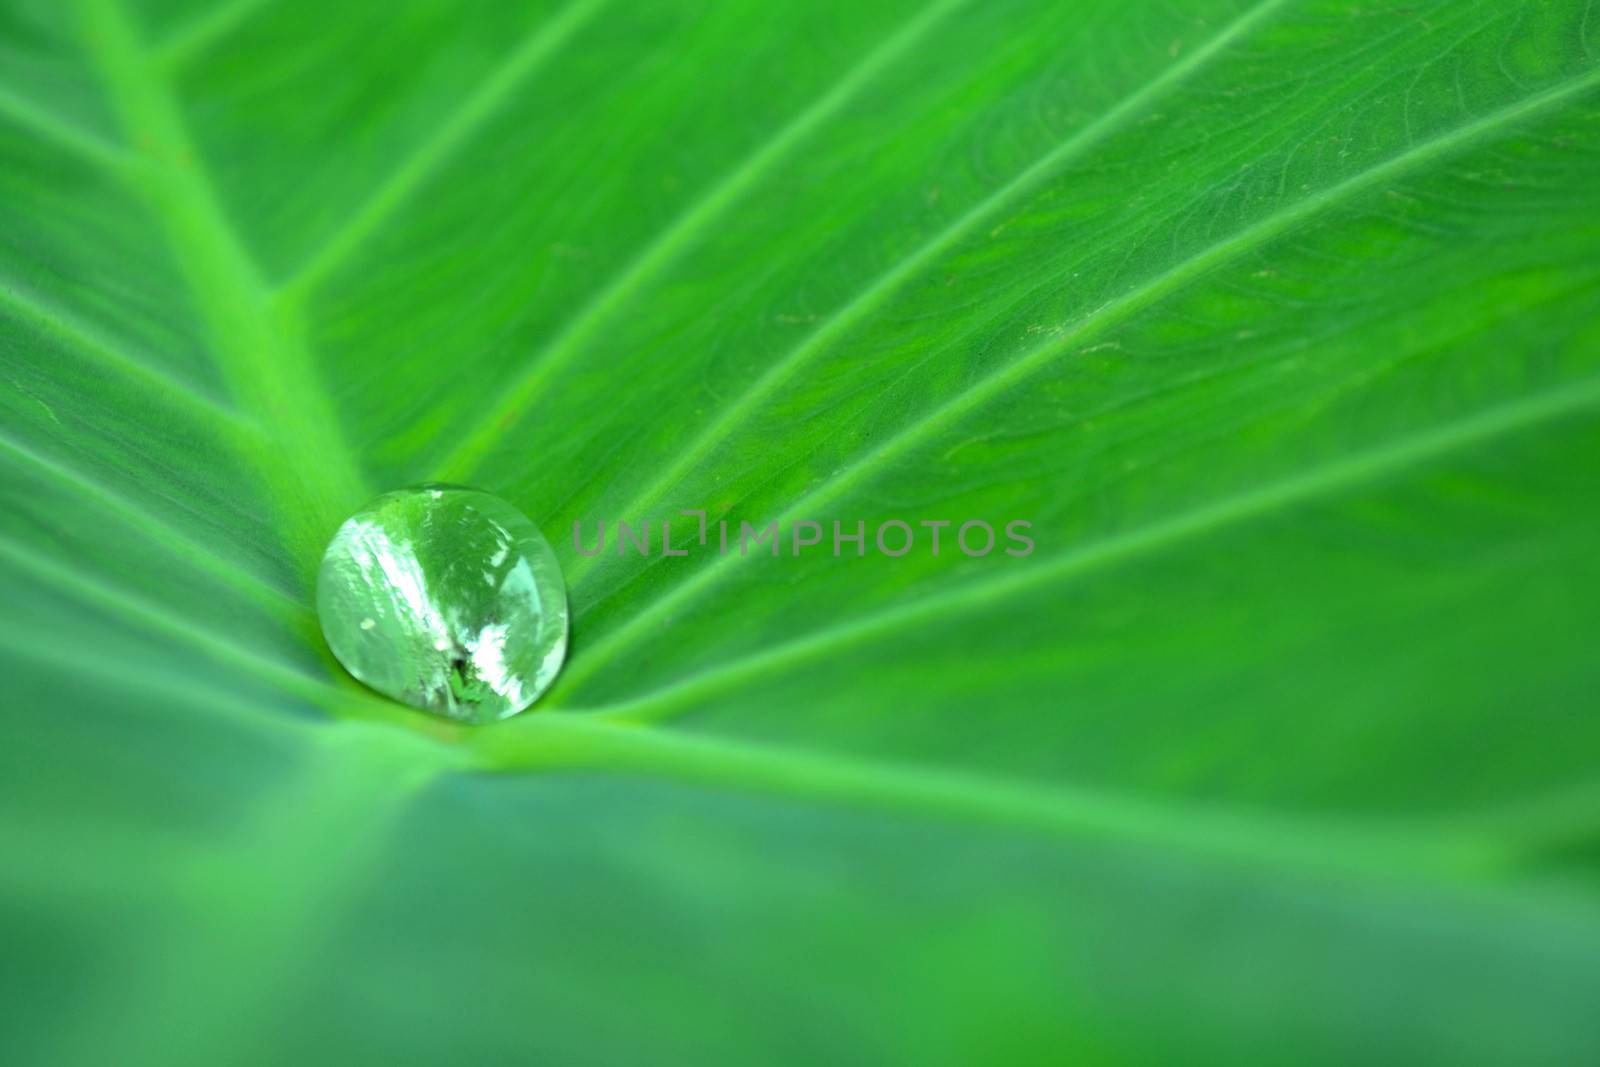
445	598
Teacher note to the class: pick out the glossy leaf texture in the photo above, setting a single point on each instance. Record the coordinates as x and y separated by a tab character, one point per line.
1278	319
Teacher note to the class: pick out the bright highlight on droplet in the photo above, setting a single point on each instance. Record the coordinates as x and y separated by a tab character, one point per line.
447	599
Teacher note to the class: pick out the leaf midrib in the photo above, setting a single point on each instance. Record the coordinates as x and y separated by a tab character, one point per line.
307	466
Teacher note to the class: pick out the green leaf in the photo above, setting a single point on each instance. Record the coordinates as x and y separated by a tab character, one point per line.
1276	319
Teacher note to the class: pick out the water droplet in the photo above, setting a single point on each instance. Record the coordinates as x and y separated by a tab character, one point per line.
445	598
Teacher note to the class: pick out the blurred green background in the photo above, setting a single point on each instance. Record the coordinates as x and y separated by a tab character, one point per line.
1279	321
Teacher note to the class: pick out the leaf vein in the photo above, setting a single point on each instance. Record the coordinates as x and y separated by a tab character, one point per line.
553	742
1090	326
916	261
270	596
456	131
1370	465
307	464
81	142
677	236
55	323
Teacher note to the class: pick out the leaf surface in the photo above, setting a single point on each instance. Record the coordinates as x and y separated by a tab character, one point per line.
1275	319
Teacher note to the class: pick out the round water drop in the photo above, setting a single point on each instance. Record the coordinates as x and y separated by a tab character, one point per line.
445	598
